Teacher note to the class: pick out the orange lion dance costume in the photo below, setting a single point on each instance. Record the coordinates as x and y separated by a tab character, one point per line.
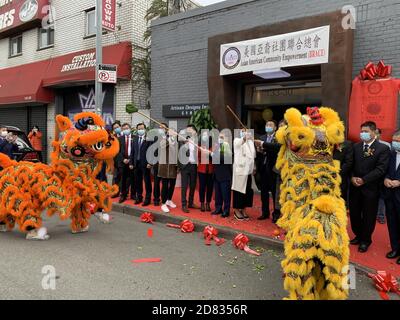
68	186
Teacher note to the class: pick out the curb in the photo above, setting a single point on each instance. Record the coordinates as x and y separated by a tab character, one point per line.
224	232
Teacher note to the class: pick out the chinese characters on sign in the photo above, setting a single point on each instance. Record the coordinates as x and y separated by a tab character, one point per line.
292	49
182	110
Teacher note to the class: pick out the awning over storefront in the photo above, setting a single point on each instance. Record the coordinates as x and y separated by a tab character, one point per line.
80	66
27	83
23	84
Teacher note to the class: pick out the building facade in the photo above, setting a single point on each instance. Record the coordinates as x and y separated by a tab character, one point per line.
187	59
44	72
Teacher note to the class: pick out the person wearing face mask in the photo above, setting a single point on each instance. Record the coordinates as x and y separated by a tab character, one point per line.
125	164
370	163
391	195
35	138
188	167
117	132
142	166
268	149
222	163
205	171
243	169
8	144
162	133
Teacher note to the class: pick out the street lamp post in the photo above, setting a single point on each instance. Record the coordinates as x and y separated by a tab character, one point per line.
99	57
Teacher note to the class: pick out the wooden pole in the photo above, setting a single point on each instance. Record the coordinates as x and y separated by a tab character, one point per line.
236	117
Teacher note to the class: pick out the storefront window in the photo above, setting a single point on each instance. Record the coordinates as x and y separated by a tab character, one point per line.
46	37
91	22
16	46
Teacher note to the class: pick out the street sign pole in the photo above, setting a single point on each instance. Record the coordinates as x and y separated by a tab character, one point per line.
99	56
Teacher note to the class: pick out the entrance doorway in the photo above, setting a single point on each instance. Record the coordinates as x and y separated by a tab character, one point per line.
269	102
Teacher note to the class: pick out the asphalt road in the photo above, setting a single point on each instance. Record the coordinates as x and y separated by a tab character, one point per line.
97	265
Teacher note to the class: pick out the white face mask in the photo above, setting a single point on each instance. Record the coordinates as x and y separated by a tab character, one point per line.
4	134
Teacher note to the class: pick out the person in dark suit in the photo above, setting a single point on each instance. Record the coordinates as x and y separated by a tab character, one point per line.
344	154
125	165
391	195
141	165
188	167
268	148
222	162
371	160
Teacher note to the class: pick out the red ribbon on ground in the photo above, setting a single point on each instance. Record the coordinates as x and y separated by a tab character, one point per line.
149	260
186	226
147	217
385	283
372	71
210	233
241	242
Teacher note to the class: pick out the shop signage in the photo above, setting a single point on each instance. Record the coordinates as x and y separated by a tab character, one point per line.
16	13
304	47
109	14
81	61
107	73
182	110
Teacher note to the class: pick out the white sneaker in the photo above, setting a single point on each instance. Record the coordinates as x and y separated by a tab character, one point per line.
103	217
40	234
81	230
164	208
171	204
3	228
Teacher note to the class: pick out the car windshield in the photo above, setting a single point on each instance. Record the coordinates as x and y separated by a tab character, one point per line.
22	141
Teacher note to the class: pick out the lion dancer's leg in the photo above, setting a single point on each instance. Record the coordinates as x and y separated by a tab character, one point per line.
80	220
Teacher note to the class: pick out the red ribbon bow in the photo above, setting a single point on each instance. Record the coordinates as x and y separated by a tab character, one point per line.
186	226
384	283
147	217
210	233
372	71
241	241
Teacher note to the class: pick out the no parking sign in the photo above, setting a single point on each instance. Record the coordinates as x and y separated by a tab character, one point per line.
107	73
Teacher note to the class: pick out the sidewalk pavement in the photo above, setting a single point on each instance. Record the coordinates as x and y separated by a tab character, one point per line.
263	232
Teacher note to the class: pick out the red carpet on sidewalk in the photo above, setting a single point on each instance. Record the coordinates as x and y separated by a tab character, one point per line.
373	259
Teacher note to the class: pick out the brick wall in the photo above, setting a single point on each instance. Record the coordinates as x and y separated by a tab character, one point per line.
179	44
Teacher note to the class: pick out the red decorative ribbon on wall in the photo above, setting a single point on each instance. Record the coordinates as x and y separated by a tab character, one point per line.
385	283
372	71
186	226
241	242
210	233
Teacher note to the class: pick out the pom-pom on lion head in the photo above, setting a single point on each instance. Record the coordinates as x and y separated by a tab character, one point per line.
87	139
313	135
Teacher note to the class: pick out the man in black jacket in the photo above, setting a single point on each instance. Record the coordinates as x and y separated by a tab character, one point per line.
344	154
268	147
371	160
142	166
125	164
222	161
391	194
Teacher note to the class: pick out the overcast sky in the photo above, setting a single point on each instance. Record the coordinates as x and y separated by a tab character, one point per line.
208	2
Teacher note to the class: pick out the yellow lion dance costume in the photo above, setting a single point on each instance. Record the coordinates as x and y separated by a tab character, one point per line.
68	186
313	212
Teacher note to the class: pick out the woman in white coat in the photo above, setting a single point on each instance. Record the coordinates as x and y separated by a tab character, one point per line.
243	169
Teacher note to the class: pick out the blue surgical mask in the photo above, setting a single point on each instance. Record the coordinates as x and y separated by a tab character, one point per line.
141	132
204	138
242	134
269	130
396	146
127	132
221	141
365	136
118	130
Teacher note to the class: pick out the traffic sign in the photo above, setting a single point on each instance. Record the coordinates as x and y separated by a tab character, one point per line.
107	73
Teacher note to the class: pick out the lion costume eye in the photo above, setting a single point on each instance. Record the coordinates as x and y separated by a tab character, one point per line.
98	146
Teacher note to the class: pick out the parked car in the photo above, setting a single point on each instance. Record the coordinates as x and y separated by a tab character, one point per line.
25	150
